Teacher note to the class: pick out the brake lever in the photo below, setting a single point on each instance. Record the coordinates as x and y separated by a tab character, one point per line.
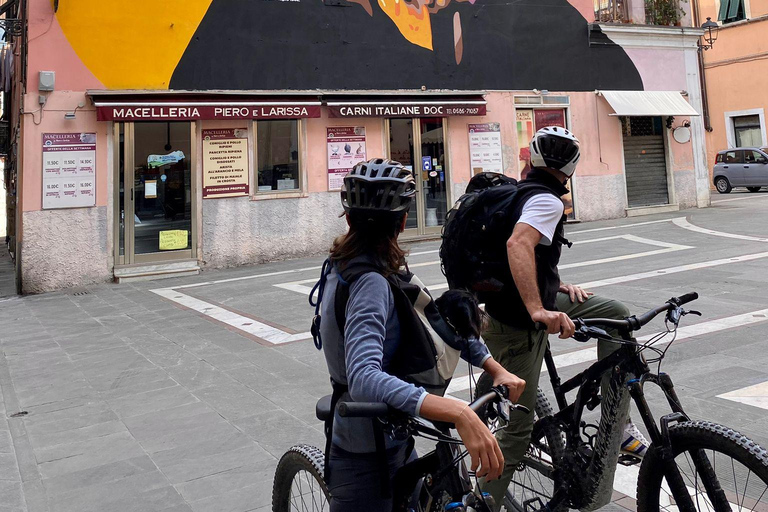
585	333
674	315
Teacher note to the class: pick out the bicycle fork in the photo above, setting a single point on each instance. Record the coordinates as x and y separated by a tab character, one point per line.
661	438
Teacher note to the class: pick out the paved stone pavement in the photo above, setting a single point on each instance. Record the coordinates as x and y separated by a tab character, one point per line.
133	400
7	274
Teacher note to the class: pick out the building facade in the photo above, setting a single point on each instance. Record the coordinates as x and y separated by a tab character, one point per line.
167	137
738	61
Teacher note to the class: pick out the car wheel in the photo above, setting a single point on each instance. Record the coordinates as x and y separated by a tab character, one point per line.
753	189
722	185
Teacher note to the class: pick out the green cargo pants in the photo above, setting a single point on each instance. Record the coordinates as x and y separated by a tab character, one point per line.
521	352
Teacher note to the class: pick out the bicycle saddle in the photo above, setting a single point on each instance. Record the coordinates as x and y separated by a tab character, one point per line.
323	408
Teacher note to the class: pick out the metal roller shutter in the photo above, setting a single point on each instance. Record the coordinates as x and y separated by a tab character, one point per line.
645	163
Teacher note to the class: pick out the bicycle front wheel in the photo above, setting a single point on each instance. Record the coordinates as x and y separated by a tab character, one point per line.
534	483
717	469
299	483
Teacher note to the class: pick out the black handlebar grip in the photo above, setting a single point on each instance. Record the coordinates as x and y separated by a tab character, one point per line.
688	297
362	409
539	326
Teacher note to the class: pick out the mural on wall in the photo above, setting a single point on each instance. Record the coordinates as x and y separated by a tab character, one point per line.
362	44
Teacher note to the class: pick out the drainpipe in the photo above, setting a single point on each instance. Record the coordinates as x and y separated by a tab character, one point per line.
702	78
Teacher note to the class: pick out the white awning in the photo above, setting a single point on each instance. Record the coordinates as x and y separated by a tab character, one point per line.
648	103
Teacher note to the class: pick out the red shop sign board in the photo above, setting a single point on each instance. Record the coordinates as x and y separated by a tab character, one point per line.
407	110
192	112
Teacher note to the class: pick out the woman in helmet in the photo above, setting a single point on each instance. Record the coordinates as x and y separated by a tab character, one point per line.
363	349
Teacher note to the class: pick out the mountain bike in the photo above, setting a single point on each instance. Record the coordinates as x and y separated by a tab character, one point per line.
435	482
690	466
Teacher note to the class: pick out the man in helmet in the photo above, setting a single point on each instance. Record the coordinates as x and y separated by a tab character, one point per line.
536	294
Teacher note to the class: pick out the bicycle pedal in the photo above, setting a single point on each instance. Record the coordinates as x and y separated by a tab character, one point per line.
629	460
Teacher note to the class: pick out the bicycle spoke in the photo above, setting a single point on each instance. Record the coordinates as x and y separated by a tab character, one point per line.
735	485
746	485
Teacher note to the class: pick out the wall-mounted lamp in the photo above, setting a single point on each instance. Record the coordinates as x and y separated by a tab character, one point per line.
711	29
73	114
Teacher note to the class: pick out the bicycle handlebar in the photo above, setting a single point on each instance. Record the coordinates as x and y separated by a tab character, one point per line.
380	409
634	322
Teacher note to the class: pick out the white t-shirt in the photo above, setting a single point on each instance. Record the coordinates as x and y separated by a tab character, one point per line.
542	212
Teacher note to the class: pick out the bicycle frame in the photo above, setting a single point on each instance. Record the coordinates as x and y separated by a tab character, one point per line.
631	371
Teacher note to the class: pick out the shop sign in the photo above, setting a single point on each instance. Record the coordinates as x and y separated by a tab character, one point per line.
407	110
69	170
225	163
485	152
194	112
346	147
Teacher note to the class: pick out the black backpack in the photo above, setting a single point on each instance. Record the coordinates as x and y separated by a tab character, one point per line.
473	252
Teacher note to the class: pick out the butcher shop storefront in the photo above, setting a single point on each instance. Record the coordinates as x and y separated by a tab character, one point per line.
221	180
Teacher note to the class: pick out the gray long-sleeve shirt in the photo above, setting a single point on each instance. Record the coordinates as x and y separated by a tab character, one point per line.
361	356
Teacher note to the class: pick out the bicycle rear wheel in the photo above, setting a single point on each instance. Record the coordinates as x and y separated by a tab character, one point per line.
299	482
720	468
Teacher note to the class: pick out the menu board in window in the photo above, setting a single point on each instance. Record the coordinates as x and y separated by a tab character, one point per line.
346	147
225	163
485	148
69	170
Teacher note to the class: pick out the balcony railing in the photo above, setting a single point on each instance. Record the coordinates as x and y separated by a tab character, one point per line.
641	12
663	12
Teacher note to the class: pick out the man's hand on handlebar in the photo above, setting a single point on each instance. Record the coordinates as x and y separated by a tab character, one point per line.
555	322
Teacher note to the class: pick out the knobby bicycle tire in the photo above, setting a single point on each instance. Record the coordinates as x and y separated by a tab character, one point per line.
312	491
689	438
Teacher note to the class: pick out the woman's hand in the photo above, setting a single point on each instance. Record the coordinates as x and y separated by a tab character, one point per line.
501	377
484	451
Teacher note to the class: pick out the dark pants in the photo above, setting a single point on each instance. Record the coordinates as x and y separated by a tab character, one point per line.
355	479
522	352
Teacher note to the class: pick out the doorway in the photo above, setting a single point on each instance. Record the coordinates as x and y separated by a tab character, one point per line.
645	161
155	192
419	144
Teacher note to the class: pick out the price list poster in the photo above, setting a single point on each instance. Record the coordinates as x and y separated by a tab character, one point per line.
69	170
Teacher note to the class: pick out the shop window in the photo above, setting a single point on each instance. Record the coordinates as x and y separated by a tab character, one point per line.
277	156
747	131
731	10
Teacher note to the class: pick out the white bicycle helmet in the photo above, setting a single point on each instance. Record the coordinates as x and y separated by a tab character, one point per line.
556	148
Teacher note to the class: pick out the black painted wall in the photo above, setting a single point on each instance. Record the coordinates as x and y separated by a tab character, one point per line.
508	45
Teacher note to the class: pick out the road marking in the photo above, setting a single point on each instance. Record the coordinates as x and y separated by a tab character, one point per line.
756	396
683	223
673	270
242	323
751	196
300	286
592	230
589	354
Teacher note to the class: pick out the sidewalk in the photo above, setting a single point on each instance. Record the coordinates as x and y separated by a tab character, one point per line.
7	274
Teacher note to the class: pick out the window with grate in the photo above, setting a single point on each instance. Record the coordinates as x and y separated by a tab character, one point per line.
747	131
641	126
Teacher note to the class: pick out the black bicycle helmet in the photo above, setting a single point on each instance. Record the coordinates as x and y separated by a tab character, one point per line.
378	185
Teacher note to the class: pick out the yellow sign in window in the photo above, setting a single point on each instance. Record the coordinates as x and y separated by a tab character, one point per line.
174	239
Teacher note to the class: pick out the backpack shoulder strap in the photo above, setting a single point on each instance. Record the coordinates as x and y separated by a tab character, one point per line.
354	271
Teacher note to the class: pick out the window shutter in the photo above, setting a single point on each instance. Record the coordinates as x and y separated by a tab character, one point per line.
733	9
723	15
